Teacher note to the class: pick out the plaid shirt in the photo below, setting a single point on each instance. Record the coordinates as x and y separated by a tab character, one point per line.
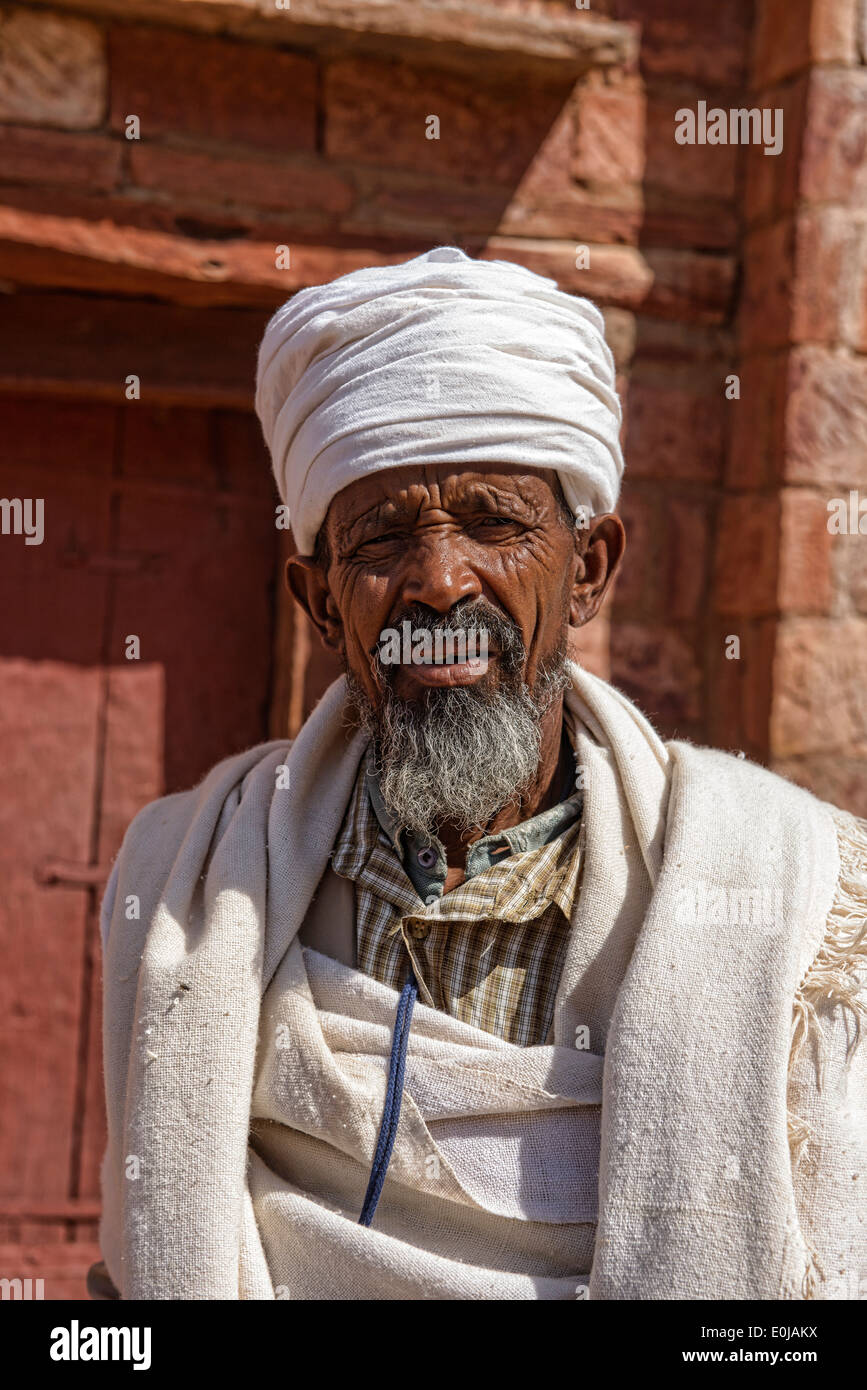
491	951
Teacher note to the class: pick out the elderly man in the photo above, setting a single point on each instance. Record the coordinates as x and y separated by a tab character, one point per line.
478	989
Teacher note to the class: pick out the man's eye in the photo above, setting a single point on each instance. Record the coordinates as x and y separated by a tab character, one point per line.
490	523
378	542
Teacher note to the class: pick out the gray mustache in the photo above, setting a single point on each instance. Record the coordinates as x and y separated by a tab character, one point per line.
471	618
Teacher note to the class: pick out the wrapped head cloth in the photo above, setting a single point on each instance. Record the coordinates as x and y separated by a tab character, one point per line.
441	359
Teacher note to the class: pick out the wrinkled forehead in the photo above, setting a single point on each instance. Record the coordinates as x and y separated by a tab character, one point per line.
401	494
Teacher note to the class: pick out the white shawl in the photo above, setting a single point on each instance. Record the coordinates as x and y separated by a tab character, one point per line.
695	1195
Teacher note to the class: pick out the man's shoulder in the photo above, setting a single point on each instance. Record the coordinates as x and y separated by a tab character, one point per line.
157	834
165	820
765	795
716	766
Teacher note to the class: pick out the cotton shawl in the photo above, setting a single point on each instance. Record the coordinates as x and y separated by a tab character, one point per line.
695	1193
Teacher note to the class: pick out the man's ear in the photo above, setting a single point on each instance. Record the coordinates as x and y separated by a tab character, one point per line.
601	548
308	585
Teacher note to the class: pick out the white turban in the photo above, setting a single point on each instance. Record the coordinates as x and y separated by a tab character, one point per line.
442	359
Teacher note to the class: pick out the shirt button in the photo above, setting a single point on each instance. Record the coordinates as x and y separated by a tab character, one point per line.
427	858
417	930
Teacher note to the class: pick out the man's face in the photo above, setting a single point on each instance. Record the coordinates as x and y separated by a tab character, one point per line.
428	539
494	560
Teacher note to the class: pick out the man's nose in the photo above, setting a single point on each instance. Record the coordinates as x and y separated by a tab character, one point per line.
437	574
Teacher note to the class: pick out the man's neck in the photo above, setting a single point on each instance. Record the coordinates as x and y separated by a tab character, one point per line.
545	792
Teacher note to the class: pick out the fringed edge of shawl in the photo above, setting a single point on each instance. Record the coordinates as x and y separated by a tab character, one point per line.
835	977
836	973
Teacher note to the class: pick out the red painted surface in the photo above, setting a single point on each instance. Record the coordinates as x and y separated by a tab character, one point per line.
159	525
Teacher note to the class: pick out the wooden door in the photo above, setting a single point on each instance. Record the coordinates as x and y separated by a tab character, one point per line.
158	526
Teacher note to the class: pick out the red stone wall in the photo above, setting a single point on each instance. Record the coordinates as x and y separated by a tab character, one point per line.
803	338
677	417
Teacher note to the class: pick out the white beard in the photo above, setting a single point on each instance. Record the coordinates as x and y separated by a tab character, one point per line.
461	753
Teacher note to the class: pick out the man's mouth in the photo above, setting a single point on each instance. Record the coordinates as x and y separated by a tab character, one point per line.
424	656
445	672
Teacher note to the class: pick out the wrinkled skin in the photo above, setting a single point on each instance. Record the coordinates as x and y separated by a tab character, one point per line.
438	534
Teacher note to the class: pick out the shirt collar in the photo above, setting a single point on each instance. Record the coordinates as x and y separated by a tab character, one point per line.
530	834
